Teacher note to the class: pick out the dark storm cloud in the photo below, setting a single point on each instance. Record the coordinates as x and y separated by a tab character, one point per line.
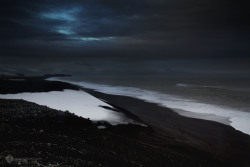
109	18
48	30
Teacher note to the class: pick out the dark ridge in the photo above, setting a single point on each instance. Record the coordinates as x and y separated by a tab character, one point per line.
9	86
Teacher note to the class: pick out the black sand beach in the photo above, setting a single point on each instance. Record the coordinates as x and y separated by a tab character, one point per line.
46	136
219	139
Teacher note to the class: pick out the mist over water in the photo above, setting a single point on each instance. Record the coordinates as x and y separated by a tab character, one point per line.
224	101
77	102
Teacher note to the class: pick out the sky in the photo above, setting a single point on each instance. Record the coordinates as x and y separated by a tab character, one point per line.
126	37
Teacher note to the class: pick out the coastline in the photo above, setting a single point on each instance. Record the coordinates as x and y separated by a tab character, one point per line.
207	135
168	132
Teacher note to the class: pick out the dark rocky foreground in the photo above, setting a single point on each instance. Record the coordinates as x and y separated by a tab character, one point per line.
38	136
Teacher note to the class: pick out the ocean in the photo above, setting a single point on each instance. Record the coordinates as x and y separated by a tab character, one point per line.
223	100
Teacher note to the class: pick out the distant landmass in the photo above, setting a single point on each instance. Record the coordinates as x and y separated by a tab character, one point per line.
10	76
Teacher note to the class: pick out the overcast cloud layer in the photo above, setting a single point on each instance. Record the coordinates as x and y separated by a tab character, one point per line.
96	35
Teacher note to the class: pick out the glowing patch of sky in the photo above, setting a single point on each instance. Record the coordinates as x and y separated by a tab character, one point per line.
65	30
67	15
58	16
92	38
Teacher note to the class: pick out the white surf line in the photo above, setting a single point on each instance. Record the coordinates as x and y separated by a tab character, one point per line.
77	102
240	120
